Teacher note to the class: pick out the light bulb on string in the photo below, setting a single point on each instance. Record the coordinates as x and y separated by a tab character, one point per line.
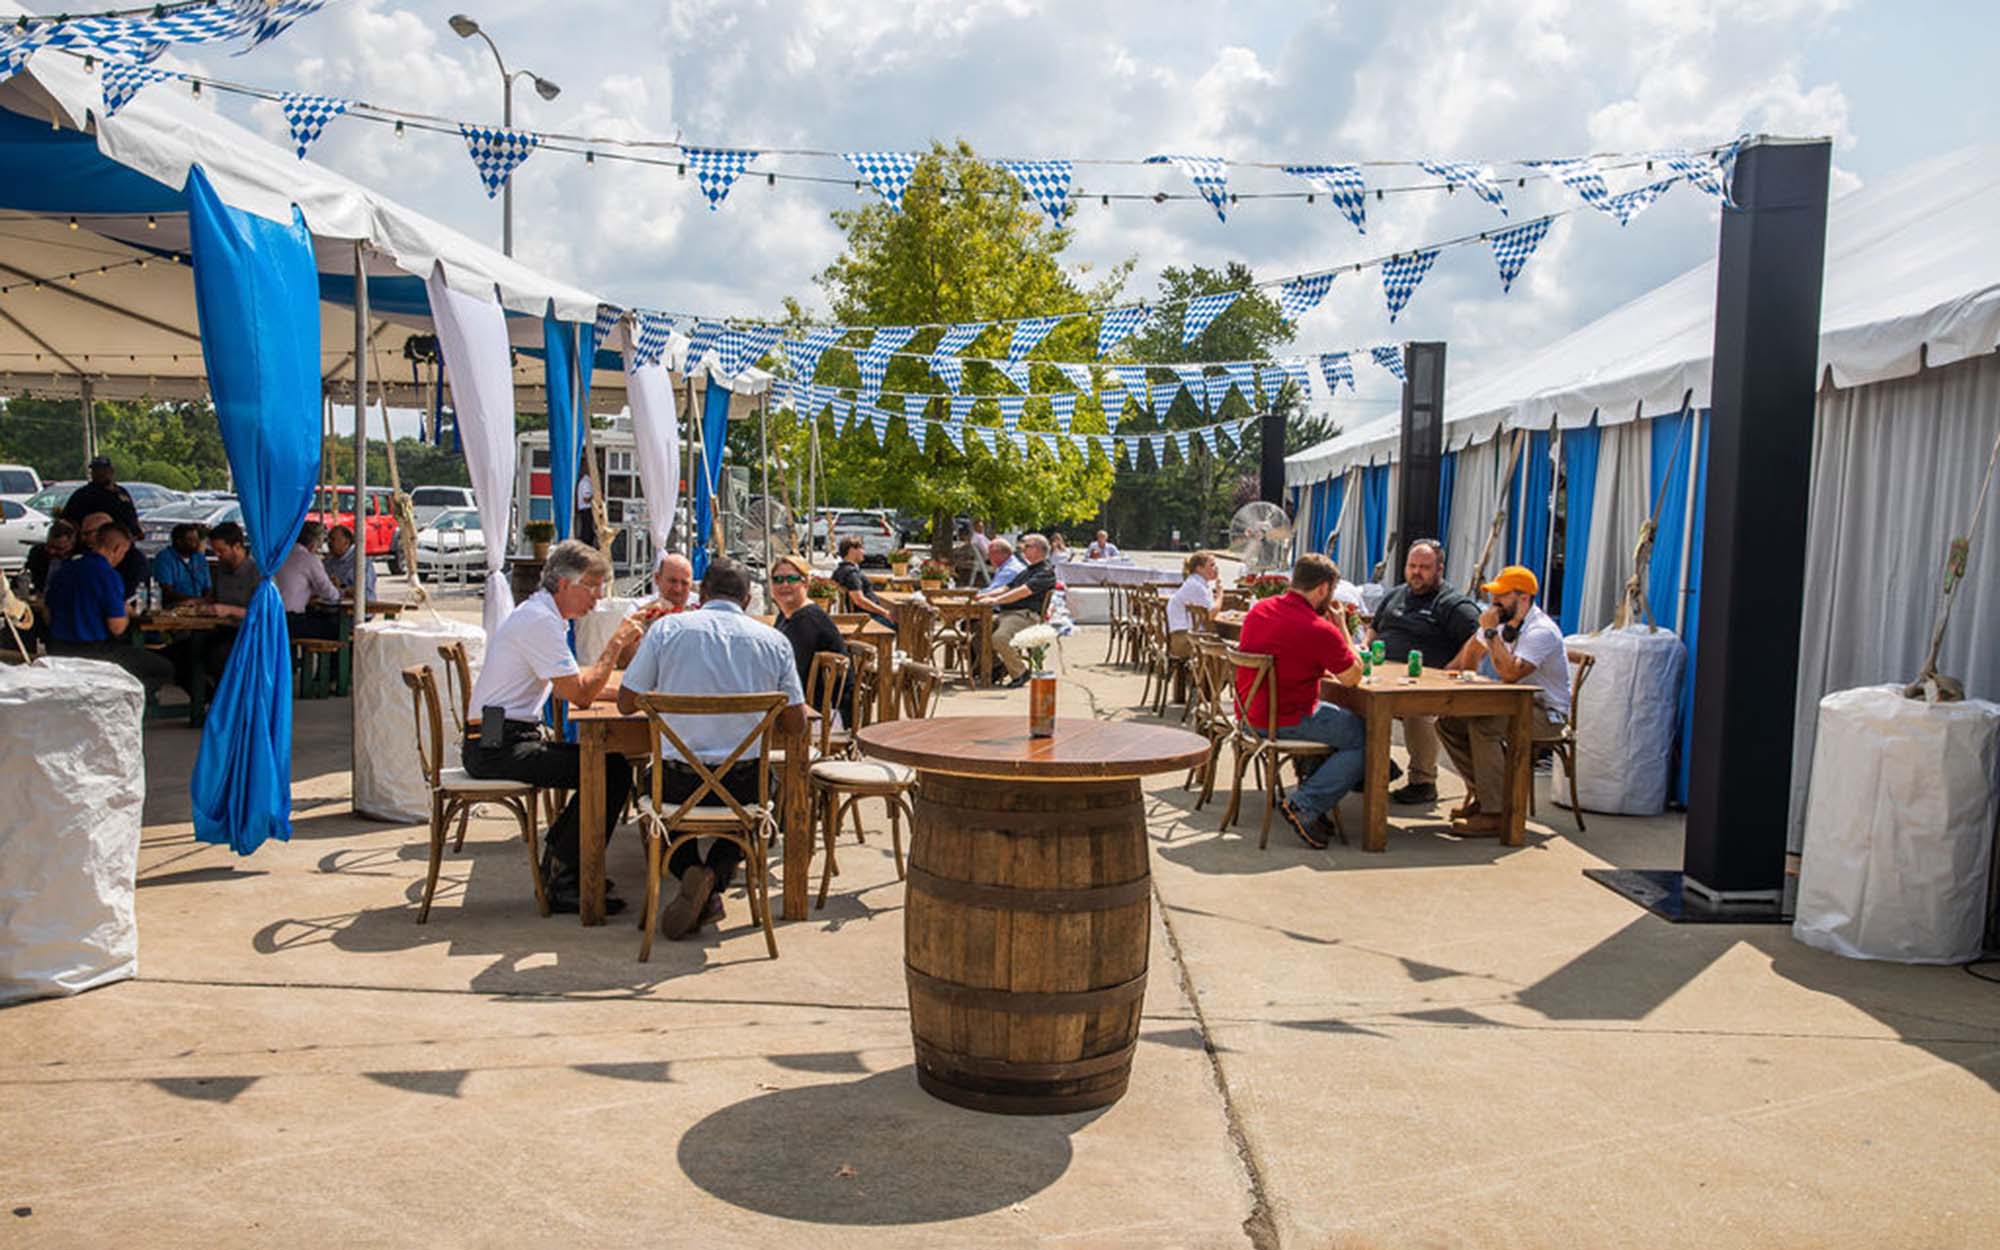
399	127
152	222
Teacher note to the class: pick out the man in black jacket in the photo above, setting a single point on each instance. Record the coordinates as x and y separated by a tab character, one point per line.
1022	604
1426	616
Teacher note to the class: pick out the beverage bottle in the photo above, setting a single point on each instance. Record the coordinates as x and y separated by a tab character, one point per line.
1416	664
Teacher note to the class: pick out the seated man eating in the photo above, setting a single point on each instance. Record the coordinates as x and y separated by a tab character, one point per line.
1520	644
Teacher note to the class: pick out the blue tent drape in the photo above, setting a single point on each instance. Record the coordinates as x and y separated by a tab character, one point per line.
1580	476
1447	476
714	432
565	431
257	303
1669	470
1375	518
1528	505
1678	792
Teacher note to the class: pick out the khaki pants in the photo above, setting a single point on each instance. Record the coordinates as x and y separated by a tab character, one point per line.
1005	625
1179	644
1478	749
1420	735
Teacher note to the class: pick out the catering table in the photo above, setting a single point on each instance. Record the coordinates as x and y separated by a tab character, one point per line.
601	730
1109	573
1027	915
1227	623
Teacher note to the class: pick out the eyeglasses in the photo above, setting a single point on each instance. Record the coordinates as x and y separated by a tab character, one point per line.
786	579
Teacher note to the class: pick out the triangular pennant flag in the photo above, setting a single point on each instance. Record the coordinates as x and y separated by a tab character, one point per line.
1112	406
497	153
1020	440
989	436
1343	185
608	317
1204	437
843	412
1513	246
1629	204
1471	174
1202	311
1295	369
961	406
120	81
950	370
308	115
1108	446
1579	176
1159	442
1401	274
746	347
1119	324
1063	405
1390	357
879	421
715	169
1704	171
1243	377
1046	182
1010	410
1181	444
1301	295
1020	373
1028	335
874	363
705	336
1210	175
1163	396
1273	379
1049	444
274	20
944	359
1126	450
654	331
205	25
802	355
1132	378
1336	368
889	171
1078	375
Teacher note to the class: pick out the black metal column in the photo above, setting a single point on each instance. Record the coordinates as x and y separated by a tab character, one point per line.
1271	462
1422	451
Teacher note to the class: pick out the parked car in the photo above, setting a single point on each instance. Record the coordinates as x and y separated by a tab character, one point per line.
21	527
336	507
452	544
875	529
207	513
148	498
49	500
428	502
19	482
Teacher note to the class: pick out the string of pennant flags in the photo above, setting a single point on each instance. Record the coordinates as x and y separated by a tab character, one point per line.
140	36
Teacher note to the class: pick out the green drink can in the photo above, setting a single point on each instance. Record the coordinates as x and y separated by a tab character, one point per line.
1379	650
1367	663
1416	664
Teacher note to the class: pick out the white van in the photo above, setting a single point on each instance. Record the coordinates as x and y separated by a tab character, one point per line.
19	483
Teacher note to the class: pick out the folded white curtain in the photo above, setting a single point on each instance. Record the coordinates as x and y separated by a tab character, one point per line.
655	433
1474	495
472	336
1621	505
1353	554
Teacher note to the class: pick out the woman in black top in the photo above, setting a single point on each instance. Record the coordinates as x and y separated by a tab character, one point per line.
860	591
804	623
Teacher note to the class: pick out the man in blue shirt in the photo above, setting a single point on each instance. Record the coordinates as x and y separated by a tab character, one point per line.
340	559
87	616
716	649
181	567
1006	566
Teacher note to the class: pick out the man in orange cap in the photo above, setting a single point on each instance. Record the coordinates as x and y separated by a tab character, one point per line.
1519	643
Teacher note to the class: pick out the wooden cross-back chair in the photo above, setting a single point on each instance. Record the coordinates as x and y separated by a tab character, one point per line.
1580	664
458	686
746	824
1214	705
454	792
864	690
918	688
1261	745
824	677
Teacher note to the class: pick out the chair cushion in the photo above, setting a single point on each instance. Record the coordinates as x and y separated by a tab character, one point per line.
878	774
458	780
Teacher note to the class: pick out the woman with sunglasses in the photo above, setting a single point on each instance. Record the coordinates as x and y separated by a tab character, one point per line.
804	623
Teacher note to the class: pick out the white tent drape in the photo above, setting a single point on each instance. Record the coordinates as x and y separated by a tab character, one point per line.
1392	568
1621	505
472	336
1474	495
656	438
1896	467
1353	552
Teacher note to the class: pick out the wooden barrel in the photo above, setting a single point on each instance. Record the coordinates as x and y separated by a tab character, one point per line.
1026	928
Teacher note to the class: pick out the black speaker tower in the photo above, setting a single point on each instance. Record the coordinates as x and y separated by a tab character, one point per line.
1422	454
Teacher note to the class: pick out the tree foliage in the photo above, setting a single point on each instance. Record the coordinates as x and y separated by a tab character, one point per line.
177	445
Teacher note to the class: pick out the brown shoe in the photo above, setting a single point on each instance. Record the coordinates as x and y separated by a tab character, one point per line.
1468	808
683	911
1477	825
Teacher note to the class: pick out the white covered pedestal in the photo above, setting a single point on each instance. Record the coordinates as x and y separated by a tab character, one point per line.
1899	827
388	780
595	627
1625	722
75	776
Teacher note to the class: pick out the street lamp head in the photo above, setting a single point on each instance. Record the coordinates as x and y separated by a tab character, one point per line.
465	27
546	89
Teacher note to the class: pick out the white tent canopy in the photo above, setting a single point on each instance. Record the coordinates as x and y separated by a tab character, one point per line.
1912	278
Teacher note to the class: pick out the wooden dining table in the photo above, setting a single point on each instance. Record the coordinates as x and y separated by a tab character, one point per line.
882	637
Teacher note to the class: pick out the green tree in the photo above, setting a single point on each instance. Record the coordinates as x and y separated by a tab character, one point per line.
177	445
964	248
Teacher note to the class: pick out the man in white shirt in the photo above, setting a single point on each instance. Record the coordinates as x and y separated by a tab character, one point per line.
527	660
302	582
1102	548
1523	645
1196	591
716	649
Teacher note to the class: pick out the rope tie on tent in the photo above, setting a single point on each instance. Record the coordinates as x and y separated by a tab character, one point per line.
1932	686
1499	516
1634	594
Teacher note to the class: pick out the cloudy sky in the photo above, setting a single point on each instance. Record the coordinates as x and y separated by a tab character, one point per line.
1123	79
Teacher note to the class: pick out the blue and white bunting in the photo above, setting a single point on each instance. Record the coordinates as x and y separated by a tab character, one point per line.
890	172
1296	371
1195	382
655	329
1242	376
841	408
1046	182
1273	380
497	153
1202	311
1020	373
1579	176
802	355
607	319
989	436
1078	375
307	115
1343	185
1063	405
1049	444
1513	246
1301	295
737	350
1163	395
1336	368
944	359
715	169
1702	171
1010	410
1132	378
1112	405
878	420
1209	174
121	81
961	407
1468	174
1028	335
1020	440
704	336
1401	274
1159	442
276	19
1390	357
1119	324
874	363
207	25
1629	204
1108	447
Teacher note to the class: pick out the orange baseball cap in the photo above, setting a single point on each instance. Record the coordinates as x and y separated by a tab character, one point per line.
1514	578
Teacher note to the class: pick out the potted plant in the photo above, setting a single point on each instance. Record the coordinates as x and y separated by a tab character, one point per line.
934	574
1265	585
823	592
899	561
540	535
1034	642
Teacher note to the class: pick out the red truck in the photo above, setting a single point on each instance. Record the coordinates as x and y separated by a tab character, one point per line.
336	507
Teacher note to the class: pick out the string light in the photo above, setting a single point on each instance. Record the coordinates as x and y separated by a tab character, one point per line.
152	223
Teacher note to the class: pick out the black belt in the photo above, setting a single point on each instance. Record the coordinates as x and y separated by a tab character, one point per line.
513	731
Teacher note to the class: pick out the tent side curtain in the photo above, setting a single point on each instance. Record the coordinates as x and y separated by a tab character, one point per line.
1580	493
257	302
1530	495
559	346
472	336
1447	470
1375	503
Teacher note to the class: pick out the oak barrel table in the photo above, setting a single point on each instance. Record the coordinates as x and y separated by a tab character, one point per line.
1028	914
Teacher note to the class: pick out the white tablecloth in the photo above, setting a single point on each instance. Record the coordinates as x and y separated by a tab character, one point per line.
388	781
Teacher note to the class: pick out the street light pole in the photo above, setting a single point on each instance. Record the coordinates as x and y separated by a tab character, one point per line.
466	28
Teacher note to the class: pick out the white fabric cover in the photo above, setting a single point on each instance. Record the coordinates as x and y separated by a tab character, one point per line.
1626	722
1352	552
69	847
472	337
1899	827
1475	493
595	627
388	780
1074	573
1621	506
656	446
1089	605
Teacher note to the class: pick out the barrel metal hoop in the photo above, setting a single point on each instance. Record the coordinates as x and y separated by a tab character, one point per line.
983	1068
1011	898
1027	1002
1077	821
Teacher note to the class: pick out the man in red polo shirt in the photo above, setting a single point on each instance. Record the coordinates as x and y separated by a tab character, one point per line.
1295	629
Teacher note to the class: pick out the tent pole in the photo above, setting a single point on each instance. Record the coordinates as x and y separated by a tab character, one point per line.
812	488
1688	521
360	481
89	419
599	512
764	438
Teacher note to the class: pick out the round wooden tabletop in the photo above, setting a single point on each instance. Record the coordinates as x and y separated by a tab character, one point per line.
1000	746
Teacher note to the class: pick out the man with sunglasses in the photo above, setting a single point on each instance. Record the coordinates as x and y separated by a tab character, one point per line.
1426	616
527	660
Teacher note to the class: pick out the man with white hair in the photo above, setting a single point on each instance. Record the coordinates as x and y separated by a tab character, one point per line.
1022	604
1005	564
527	660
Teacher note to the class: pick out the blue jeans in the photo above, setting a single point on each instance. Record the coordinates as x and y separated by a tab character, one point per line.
1339	772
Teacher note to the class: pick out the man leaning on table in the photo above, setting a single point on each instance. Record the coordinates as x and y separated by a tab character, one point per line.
527	660
1297	630
1520	644
1020	604
716	649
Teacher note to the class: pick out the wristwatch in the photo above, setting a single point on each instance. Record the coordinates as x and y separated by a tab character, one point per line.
1491	631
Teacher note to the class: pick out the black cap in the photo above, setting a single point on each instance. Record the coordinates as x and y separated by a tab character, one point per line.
100	462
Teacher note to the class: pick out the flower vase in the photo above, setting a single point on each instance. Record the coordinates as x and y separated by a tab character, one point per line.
1042	705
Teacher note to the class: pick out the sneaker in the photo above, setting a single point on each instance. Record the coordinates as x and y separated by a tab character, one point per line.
565	894
1477	825
1415	793
711	914
1307	829
683	912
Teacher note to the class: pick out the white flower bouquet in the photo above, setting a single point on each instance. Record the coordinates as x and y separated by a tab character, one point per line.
1034	642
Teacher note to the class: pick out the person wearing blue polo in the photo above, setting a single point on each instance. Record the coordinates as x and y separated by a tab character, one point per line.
181	567
87	616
